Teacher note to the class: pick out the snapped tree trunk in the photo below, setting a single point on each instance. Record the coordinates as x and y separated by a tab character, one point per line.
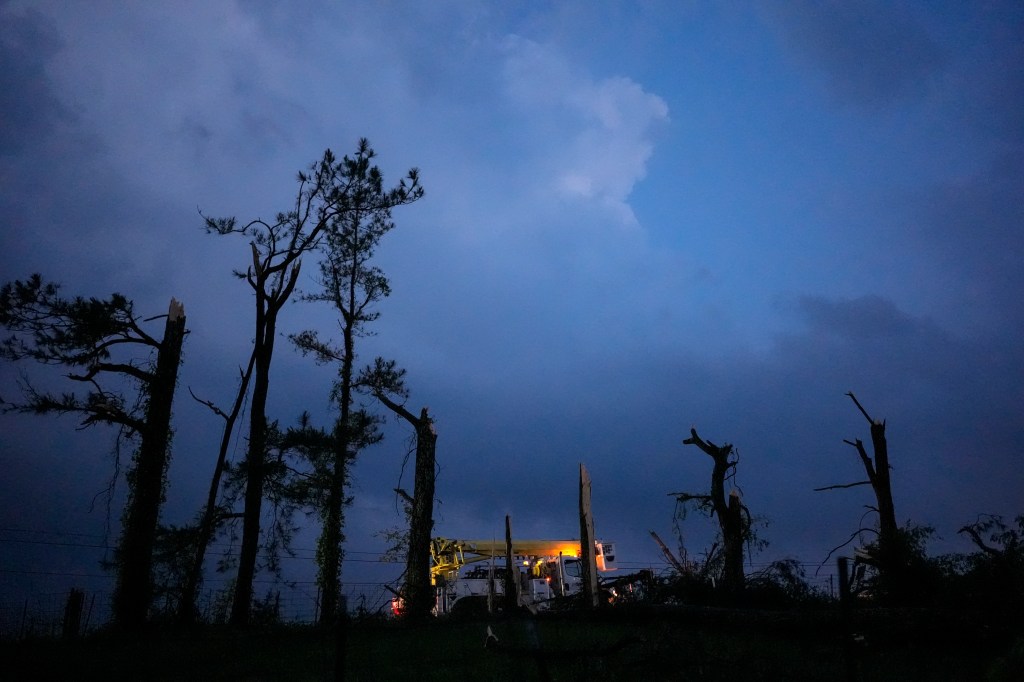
883	484
732	534
511	581
134	588
419	595
890	560
729	512
588	561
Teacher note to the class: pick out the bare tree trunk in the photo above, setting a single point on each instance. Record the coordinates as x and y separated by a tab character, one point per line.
253	506
256	454
732	534
134	588
883	488
729	512
208	522
889	559
281	280
668	554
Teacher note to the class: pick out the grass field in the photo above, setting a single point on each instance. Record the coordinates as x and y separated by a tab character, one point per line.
677	644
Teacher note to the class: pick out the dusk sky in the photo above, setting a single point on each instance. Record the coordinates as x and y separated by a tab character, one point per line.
639	217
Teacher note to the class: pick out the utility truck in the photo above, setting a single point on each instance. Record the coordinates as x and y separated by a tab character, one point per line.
469	575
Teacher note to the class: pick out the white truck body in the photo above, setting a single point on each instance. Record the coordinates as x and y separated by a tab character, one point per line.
472	575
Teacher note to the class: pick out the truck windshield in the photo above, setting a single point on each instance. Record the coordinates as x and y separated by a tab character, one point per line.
572	568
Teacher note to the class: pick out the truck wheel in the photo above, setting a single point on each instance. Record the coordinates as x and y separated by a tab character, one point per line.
470	607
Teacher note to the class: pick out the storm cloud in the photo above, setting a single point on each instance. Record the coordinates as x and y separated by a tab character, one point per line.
689	217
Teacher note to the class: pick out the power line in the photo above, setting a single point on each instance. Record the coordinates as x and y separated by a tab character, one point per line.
294	552
57	573
49	532
55	544
215	546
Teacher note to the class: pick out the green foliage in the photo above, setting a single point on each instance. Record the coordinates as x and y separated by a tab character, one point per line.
329	191
76	332
267	611
383	377
712	563
782	584
95	336
352	285
102	342
298	471
992	577
288	489
909	577
221	604
396	538
334	199
173	550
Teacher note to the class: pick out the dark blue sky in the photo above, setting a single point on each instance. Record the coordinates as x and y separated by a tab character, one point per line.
639	217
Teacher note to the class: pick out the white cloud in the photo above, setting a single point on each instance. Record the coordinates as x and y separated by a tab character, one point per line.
595	135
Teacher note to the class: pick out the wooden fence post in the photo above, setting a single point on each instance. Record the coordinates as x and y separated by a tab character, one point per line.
73	614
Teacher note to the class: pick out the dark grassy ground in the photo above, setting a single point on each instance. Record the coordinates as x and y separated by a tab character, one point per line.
676	644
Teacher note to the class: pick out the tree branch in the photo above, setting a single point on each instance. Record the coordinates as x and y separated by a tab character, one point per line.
707	446
209	403
397	409
976	538
122	368
686	497
868	466
843	485
860	407
851	539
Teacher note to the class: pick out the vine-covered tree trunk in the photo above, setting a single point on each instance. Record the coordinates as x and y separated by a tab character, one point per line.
134	587
418	593
352	285
328	549
329	543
